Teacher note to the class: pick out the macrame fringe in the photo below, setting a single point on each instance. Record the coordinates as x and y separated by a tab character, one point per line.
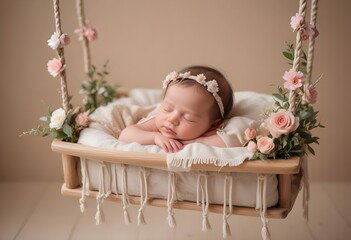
202	184
227	212
261	204
99	216
143	196
226	229
85	186
170	199
125	200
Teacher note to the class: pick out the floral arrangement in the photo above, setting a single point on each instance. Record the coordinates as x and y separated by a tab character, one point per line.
66	125
286	131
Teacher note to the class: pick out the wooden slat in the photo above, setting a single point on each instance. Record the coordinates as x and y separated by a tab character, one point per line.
273	212
154	160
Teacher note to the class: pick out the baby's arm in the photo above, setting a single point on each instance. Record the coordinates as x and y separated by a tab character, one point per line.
147	134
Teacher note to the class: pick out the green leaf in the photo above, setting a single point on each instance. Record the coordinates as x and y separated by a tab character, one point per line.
67	130
288	55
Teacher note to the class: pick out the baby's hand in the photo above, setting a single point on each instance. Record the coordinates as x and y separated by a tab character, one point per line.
168	144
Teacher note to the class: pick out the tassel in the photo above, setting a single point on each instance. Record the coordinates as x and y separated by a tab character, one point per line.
265	233
141	219
227	212
171	220
226	229
205	223
126	216
99	216
83	205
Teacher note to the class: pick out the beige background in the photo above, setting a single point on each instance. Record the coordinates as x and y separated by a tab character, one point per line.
145	40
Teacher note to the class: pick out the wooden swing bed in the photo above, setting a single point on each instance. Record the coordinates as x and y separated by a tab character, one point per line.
290	172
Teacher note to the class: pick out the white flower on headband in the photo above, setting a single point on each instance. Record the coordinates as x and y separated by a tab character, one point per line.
185	75
169	78
201	78
212	86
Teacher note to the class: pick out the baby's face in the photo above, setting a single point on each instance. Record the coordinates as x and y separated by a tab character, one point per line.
185	113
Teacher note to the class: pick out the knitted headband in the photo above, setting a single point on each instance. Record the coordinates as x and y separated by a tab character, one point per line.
211	86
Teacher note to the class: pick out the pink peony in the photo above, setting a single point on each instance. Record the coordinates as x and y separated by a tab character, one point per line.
250	133
282	122
252	147
310	94
296	21
293	79
310	31
83	119
90	33
265	145
54	66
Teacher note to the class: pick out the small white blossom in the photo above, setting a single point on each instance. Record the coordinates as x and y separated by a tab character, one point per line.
54	41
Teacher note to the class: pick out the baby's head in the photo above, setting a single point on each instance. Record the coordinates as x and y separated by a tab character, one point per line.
196	100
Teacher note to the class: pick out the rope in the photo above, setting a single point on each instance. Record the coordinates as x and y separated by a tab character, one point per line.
297	54
60	52
313	20
85	42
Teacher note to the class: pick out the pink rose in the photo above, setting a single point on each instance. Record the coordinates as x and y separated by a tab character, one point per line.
90	33
282	122
310	94
252	147
54	66
250	133
83	119
310	31
293	79
265	145
65	39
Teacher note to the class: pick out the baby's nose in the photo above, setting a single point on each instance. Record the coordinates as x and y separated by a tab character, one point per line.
174	119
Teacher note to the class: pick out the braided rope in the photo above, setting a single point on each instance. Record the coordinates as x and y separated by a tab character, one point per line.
297	54
313	20
85	42
60	52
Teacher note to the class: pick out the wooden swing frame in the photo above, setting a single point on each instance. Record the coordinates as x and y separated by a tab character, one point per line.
288	171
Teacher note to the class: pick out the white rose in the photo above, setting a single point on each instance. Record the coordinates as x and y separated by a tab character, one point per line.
57	118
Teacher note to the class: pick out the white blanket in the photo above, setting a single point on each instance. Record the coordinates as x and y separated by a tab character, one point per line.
110	120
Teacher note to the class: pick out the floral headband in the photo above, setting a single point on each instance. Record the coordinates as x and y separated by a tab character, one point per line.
211	86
